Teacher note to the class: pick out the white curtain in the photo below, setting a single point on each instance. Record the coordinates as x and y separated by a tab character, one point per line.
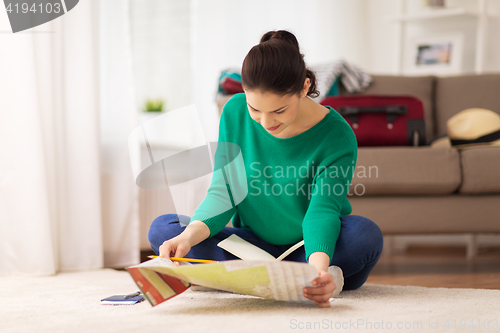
119	117
67	196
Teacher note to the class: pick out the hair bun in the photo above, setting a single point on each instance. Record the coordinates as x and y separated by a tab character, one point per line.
282	35
276	65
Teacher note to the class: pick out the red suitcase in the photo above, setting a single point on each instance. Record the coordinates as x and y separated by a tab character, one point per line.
231	86
379	120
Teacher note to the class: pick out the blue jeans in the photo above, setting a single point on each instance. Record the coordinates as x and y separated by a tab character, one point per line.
357	250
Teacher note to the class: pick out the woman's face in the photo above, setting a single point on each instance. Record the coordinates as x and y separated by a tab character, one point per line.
274	112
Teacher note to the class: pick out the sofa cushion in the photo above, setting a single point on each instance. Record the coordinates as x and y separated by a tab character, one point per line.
406	170
457	93
480	170
419	86
430	214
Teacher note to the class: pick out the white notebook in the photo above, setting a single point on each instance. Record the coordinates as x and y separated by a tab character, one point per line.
247	251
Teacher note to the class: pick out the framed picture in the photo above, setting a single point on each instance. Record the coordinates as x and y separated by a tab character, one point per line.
434	54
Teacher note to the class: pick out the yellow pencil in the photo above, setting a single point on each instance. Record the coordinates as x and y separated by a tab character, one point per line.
185	259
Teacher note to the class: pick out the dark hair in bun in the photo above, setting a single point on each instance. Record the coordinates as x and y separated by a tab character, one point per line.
276	65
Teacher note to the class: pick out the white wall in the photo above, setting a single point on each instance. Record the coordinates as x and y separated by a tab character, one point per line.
161	44
225	30
382	36
492	61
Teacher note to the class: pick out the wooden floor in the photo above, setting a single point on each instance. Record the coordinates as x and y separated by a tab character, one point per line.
439	267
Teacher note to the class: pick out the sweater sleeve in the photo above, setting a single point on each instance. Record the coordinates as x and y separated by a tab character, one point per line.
321	224
218	206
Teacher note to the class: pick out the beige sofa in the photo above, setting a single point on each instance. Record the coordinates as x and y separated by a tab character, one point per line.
423	190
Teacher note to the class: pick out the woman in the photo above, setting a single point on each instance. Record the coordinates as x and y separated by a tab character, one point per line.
298	158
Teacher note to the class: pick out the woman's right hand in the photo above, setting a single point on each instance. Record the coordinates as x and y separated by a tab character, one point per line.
180	245
177	247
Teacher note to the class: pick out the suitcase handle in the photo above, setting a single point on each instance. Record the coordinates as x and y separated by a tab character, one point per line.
392	111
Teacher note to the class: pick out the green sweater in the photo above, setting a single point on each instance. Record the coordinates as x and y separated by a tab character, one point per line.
284	190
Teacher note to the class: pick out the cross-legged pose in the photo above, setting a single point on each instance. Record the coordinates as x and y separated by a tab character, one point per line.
282	173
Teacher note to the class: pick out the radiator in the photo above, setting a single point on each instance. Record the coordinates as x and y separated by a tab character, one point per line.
152	203
156	202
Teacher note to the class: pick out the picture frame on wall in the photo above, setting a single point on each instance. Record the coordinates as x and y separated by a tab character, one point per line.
428	55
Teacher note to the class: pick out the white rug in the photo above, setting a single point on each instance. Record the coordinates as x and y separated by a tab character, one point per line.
69	302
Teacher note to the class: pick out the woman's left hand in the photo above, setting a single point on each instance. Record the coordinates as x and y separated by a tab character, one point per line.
322	290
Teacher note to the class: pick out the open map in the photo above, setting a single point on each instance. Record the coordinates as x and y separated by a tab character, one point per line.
159	279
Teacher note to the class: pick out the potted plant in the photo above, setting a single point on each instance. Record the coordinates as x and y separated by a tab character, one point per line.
152	108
